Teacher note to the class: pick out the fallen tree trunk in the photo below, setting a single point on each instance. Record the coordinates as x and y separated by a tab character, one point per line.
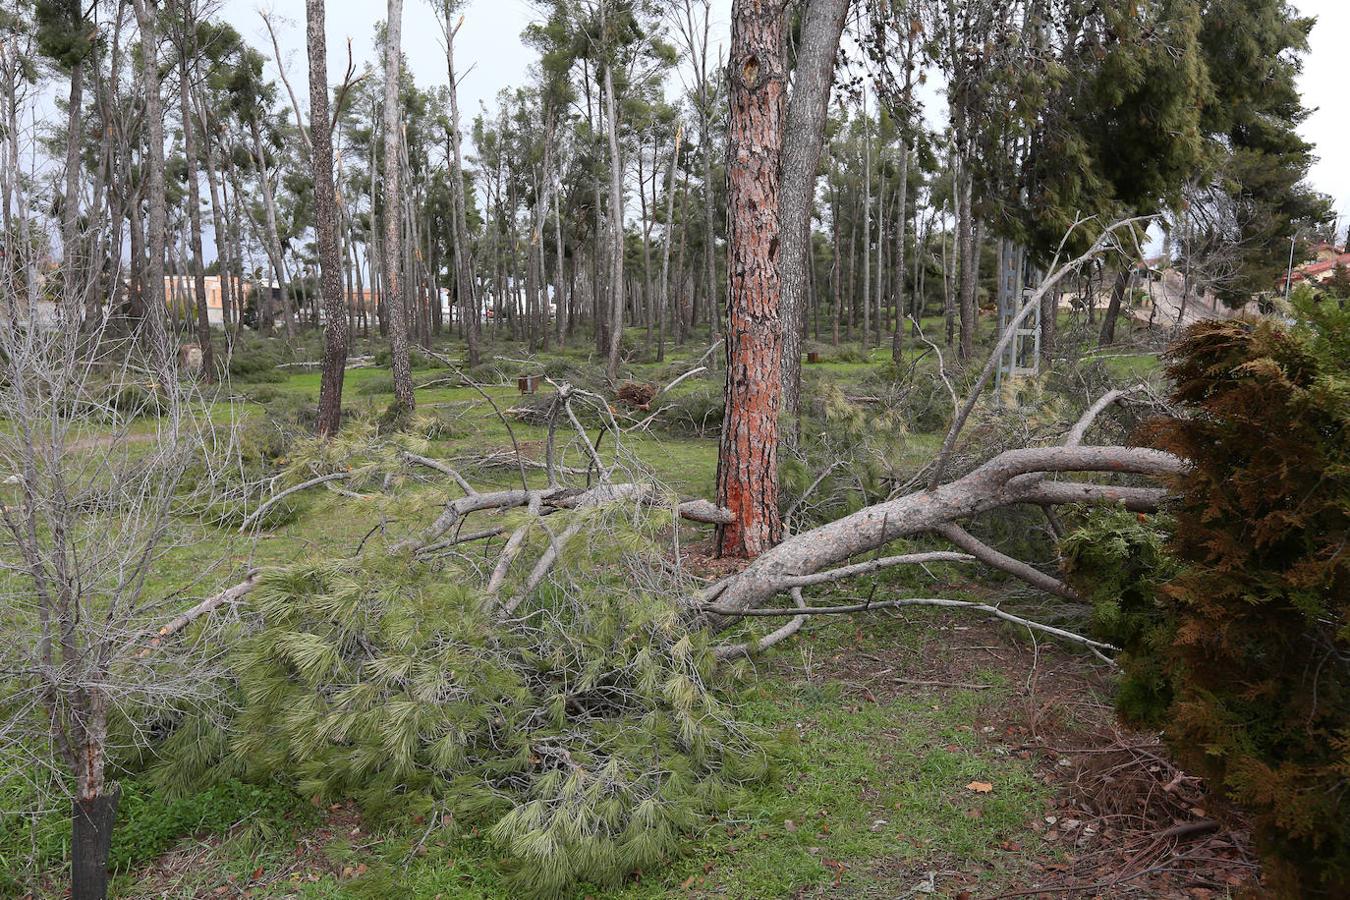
1012	477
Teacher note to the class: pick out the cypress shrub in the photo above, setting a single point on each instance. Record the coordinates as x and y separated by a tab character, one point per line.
1259	661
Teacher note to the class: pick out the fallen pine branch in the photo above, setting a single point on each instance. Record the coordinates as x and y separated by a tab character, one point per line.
186	618
257	514
800	612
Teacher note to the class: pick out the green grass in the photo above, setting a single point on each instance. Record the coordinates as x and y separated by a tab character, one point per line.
874	792
877	788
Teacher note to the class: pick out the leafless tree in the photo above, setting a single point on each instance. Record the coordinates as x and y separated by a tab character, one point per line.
108	458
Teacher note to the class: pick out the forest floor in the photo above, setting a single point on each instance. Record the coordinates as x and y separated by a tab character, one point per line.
918	754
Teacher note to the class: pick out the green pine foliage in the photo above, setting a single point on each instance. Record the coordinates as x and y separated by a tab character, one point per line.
583	737
1260	662
1117	560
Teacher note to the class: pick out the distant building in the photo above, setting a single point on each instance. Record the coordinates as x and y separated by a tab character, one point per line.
180	291
1324	260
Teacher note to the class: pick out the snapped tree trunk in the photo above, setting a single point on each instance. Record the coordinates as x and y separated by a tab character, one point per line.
747	462
817	48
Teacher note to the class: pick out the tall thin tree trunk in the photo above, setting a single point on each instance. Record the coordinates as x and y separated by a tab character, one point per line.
193	200
70	203
393	203
616	282
326	224
665	249
157	222
274	253
867	230
968	249
561	298
817	49
898	263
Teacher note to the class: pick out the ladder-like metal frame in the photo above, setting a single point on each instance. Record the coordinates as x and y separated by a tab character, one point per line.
1023	356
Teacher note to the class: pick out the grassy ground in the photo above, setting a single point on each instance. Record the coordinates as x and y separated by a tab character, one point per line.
899	769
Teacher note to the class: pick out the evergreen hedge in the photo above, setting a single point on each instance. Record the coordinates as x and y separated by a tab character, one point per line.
1242	655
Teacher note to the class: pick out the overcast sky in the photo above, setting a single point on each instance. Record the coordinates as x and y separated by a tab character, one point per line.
491	57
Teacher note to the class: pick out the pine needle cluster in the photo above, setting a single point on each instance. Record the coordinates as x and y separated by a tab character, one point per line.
583	735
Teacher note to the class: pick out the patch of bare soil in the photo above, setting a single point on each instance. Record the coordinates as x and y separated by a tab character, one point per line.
1124	821
192	869
701	559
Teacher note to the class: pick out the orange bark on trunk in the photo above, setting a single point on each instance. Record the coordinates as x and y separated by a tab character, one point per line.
747	464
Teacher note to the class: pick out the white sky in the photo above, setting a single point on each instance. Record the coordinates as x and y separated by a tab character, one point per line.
490	56
1326	85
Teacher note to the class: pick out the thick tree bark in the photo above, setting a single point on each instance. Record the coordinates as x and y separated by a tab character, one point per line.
393	205
817	48
747	464
326	224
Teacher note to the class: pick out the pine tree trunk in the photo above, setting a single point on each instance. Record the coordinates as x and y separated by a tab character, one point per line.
404	401
838	274
678	320
326	224
616	281
266	314
1108	335
867	232
747	463
152	282
968	247
217	218
562	300
817	48
664	311
70	206
898	263
193	200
